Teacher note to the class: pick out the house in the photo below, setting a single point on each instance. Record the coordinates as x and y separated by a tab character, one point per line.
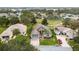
8	14
13	14
65	31
22	28
62	14
38	33
8	33
4	14
71	16
46	31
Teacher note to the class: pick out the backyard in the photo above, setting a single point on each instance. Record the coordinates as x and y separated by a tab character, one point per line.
52	22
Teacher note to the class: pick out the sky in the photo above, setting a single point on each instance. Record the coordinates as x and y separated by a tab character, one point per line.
39	3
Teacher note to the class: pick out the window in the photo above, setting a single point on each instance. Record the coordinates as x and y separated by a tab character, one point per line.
5	37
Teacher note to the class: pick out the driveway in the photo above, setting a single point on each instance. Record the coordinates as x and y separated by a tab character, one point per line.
35	38
34	42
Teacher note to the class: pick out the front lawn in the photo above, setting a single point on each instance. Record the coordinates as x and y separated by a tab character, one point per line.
51	41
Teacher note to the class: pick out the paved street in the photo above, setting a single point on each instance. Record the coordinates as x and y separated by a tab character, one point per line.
54	48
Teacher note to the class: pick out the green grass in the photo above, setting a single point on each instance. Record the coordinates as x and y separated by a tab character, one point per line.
52	22
74	45
71	42
20	38
39	21
2	29
51	41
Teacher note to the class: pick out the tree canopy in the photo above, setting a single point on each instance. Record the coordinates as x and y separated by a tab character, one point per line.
44	22
26	17
4	21
20	43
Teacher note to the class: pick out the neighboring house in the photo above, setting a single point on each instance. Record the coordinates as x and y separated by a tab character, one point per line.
8	14
71	16
62	14
13	14
4	14
8	33
65	31
43	15
22	28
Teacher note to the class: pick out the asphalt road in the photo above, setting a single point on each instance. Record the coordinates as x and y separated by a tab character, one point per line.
54	48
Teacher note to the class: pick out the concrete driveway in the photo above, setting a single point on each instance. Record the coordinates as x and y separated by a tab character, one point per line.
34	42
35	38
